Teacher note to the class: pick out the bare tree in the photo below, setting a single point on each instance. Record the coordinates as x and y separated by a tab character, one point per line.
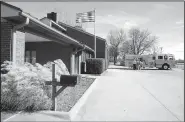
141	41
113	52
115	38
124	49
155	49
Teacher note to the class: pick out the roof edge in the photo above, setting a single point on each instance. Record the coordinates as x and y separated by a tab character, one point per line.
56	31
50	28
53	23
81	30
2	2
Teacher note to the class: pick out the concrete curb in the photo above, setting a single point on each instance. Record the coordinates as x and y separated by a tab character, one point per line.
74	111
82	100
104	73
11	116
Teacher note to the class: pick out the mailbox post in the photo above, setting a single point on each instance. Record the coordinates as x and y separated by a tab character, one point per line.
54	89
65	81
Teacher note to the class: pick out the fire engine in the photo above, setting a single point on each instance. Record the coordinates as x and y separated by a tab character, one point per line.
160	61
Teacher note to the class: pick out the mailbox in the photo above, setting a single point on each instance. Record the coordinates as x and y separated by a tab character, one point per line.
69	80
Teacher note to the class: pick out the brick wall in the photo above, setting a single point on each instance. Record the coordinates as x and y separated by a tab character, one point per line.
6	43
20	47
6	37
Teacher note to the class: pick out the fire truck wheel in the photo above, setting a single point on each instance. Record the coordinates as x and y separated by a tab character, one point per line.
165	66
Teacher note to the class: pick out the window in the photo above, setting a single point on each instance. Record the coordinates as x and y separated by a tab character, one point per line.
33	57
170	57
165	57
160	57
27	56
153	58
30	57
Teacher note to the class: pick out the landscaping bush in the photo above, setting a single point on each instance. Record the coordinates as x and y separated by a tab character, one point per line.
95	66
83	67
23	87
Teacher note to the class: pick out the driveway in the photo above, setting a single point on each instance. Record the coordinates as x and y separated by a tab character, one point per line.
142	95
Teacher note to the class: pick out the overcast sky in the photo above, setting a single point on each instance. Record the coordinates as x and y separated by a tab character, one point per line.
163	19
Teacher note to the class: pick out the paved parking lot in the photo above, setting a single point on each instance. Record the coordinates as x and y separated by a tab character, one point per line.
142	95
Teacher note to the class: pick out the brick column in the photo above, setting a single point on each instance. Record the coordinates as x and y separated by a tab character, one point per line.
20	47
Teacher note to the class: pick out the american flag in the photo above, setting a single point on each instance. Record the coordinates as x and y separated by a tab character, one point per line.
85	17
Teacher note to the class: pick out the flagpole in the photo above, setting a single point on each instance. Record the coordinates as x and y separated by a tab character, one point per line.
94	34
81	25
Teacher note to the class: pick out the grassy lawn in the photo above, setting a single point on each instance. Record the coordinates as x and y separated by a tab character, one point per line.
180	65
69	97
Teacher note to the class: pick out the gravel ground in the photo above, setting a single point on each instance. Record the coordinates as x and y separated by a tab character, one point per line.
68	98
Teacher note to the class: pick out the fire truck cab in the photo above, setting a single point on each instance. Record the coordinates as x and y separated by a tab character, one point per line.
164	61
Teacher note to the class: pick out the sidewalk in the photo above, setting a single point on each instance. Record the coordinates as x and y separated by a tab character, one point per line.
36	116
118	97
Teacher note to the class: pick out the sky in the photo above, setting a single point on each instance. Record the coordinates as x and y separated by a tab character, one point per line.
163	19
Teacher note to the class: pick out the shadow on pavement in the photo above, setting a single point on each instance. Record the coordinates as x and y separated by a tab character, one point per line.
120	68
54	115
129	68
151	69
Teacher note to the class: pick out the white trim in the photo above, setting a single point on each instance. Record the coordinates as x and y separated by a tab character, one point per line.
14	47
80	60
58	25
52	22
72	62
